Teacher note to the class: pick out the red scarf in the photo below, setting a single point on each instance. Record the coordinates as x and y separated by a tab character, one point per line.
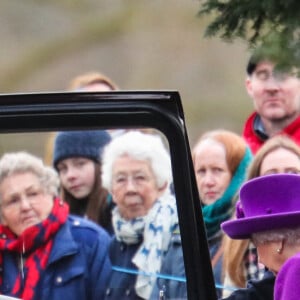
35	243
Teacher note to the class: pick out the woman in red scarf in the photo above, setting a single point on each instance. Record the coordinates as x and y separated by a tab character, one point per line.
44	252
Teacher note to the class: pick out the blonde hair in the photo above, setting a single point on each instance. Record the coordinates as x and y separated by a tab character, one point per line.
91	78
277	142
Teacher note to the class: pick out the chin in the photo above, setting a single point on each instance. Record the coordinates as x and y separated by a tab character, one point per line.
209	201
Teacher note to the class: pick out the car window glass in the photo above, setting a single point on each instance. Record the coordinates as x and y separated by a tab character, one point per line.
42	143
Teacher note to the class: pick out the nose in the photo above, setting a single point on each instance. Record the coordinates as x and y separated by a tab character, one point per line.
71	172
208	179
272	84
130	184
24	203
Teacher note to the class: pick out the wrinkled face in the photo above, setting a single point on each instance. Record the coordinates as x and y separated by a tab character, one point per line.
134	188
23	202
212	173
280	161
77	176
268	256
275	96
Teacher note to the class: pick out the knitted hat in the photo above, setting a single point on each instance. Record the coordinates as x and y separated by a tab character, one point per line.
267	202
87	144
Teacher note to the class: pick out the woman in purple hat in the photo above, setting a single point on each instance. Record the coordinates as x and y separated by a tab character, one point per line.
268	213
279	154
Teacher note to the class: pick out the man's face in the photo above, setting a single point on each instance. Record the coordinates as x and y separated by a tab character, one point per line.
276	97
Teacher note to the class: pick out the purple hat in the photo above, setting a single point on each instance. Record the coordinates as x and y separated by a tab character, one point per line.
266	203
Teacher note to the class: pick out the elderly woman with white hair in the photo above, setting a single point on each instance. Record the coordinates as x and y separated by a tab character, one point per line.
268	212
44	252
137	172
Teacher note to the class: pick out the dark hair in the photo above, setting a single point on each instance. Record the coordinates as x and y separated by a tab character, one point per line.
95	205
279	50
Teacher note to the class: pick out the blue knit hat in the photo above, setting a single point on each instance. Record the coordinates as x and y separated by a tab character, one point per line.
87	144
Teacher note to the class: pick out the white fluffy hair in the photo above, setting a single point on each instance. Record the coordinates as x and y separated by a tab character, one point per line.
290	235
23	162
139	146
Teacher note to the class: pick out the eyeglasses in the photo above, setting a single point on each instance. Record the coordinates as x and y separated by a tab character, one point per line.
15	201
278	76
138	179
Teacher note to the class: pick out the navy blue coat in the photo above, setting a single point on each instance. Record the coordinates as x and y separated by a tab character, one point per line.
121	284
173	267
78	267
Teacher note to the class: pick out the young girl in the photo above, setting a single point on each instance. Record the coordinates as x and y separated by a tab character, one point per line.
76	157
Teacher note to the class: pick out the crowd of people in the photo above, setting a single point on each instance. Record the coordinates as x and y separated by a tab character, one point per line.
97	217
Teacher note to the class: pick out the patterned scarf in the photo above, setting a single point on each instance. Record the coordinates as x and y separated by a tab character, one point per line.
221	210
35	243
155	229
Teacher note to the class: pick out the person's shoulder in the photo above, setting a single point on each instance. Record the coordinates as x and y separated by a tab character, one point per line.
86	229
287	279
291	266
256	289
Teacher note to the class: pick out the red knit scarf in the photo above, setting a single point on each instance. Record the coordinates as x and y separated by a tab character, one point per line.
35	243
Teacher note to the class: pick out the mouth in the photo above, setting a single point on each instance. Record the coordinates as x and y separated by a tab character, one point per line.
272	101
134	202
75	187
210	194
28	219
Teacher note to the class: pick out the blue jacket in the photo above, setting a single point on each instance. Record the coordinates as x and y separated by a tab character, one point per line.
173	267
121	284
78	266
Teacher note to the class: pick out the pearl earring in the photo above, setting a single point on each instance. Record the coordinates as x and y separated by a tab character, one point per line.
278	250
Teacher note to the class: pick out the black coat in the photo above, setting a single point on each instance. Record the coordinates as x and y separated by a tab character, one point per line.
256	289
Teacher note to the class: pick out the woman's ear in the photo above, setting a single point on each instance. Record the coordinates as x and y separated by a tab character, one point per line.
163	188
280	246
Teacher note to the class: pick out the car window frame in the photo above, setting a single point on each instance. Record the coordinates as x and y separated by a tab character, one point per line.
162	110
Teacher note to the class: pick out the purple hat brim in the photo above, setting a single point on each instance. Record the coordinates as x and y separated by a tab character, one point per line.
243	228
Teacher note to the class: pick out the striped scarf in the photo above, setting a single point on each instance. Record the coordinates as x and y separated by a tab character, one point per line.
35	243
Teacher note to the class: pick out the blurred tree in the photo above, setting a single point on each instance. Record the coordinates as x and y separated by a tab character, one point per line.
257	22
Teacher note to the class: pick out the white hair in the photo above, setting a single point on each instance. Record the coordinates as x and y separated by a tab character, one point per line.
23	162
290	235
139	146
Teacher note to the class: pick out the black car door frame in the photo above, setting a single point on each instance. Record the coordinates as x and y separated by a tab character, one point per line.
161	110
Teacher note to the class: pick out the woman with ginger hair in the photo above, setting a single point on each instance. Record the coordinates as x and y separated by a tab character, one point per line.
220	159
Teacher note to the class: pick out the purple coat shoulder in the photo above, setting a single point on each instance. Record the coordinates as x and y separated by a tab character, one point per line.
287	280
